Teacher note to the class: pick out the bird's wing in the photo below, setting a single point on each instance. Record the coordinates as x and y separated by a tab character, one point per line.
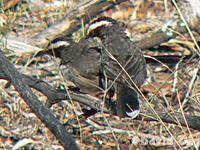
83	62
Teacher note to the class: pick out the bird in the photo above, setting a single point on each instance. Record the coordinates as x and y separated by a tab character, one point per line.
107	60
120	53
82	61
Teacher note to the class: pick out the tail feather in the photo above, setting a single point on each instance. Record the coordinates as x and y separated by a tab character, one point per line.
127	101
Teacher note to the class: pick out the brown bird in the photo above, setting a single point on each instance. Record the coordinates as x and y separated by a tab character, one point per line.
120	52
113	61
82	61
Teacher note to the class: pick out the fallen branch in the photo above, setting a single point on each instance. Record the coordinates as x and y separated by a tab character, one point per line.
56	96
86	11
8	72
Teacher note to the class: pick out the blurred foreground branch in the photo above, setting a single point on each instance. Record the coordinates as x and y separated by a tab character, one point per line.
9	72
94	103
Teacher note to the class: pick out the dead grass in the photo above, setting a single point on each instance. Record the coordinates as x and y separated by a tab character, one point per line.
165	89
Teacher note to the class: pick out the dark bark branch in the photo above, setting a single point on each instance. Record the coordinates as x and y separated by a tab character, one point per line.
72	21
63	29
55	96
192	120
68	25
8	72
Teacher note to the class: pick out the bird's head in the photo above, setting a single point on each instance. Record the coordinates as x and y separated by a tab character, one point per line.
100	25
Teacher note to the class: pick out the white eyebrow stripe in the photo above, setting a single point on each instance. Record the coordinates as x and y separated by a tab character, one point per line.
98	24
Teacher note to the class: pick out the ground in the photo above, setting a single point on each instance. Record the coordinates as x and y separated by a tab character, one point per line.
170	87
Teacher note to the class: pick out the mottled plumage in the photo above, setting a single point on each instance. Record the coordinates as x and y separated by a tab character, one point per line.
83	60
92	63
117	44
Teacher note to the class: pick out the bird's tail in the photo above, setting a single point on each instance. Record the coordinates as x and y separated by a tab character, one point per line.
127	101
